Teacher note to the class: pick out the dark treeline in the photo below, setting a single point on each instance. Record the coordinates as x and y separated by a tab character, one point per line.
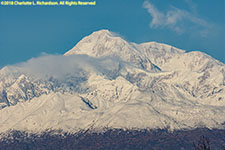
115	139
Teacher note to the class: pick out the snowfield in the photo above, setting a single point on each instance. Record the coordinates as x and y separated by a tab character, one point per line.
105	81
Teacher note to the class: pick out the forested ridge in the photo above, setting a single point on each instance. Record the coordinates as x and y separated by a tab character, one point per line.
115	139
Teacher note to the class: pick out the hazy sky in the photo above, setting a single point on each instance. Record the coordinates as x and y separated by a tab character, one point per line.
27	31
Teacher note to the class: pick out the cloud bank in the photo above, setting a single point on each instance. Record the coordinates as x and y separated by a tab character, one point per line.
178	20
60	67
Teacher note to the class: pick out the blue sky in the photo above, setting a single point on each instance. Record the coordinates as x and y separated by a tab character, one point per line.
28	31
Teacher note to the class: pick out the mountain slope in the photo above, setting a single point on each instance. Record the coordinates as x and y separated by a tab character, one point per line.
105	81
105	43
195	72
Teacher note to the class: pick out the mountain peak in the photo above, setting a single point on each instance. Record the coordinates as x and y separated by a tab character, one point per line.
99	43
105	43
93	42
103	32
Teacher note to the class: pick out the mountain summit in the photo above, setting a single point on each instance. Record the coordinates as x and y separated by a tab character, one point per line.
106	81
105	43
96	42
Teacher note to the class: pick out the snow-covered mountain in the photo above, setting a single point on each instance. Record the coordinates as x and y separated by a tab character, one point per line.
105	81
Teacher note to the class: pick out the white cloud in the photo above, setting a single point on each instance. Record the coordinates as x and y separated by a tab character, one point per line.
157	17
59	66
178	20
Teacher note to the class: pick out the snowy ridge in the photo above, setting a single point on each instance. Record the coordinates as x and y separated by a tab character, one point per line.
105	81
105	43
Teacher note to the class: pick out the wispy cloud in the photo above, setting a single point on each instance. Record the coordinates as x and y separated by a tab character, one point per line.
59	67
192	6
158	18
178	20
